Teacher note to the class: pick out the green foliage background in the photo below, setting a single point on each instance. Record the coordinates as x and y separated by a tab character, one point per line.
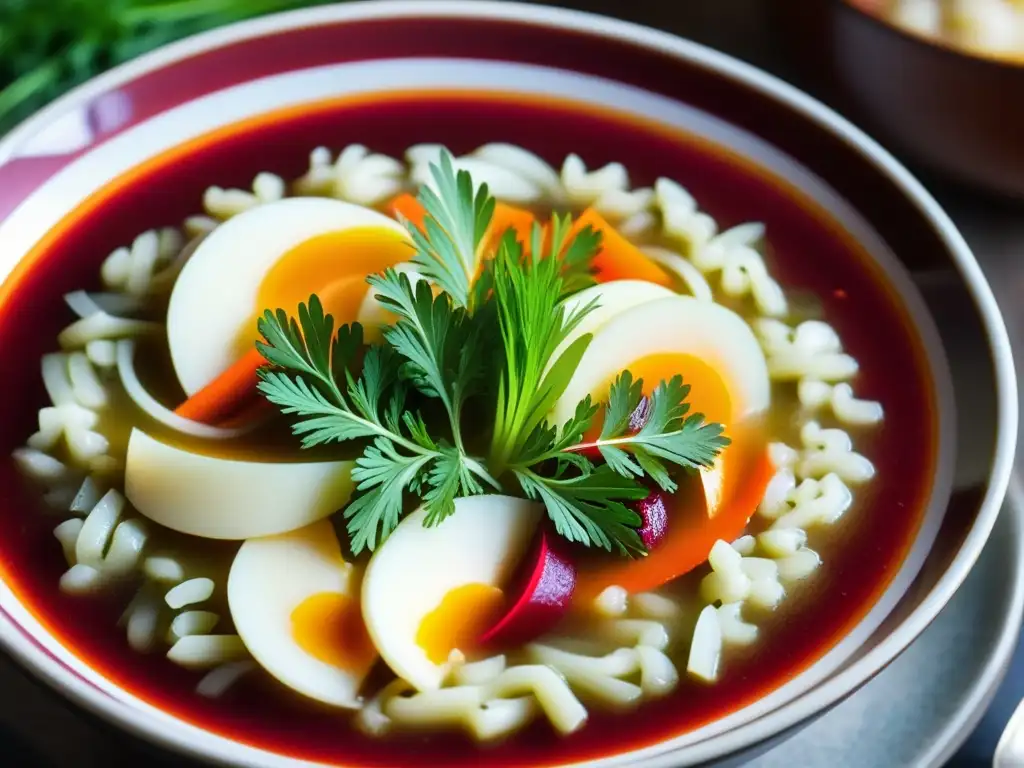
49	46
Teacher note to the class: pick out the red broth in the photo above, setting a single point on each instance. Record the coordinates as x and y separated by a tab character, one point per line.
809	253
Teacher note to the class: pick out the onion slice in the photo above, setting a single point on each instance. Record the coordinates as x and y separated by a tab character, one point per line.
85	304
152	408
163	279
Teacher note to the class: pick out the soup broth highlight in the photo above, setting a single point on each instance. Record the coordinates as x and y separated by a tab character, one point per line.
197	533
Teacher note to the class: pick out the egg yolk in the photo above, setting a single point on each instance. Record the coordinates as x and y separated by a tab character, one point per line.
329	627
459	620
334	266
717	505
708	395
708	391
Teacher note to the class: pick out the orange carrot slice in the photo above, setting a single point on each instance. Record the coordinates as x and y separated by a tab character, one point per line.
228	394
618	258
508	217
505	217
701	513
409	207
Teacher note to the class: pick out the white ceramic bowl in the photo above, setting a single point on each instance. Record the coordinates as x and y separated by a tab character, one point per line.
166	104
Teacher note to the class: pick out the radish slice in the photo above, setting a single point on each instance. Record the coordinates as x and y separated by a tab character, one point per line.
540	595
152	408
654	513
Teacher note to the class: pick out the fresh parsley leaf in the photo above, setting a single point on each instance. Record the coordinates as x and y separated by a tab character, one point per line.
417	429
584	502
589	508
549	442
669	434
381	475
449	478
481	291
284	342
576	255
311	379
447	252
533	324
335	405
437	341
321	421
379	376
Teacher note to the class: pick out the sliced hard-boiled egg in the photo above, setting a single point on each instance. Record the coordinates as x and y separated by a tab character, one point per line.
717	354
430	591
712	347
273	256
295	604
610	299
221	498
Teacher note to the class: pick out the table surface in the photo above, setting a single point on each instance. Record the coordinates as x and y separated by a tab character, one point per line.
30	714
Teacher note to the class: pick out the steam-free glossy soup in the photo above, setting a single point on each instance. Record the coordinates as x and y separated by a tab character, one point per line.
821	269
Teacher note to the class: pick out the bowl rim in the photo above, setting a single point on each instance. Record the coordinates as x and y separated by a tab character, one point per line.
938	45
26	650
998	664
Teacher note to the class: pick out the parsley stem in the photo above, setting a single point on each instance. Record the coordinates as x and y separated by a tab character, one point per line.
596	444
342	403
478	469
394	437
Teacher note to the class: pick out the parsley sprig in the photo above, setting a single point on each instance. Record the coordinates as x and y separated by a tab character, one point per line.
312	379
448	248
667	435
533	322
485	343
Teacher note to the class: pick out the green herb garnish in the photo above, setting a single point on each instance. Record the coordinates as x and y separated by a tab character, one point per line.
532	323
312	379
51	46
457	219
667	435
485	343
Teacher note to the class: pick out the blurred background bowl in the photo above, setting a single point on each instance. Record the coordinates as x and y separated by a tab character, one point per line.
951	110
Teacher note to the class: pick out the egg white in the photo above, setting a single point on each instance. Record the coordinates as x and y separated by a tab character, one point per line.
215	295
676	324
409	576
609	299
270	577
222	498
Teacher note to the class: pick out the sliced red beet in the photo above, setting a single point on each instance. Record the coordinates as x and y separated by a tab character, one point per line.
654	516
540	594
